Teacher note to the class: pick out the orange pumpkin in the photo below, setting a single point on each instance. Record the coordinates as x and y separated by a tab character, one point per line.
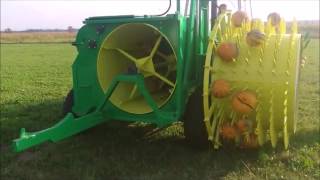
244	102
238	18
228	51
251	142
228	132
222	8
255	38
242	125
220	88
274	18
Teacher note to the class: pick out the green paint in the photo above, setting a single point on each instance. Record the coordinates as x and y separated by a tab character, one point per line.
93	103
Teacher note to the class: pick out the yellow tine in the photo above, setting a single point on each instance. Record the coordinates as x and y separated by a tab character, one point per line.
273	133
127	55
294	27
167	81
156	46
282	26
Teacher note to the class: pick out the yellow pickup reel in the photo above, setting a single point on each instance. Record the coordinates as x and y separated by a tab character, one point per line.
250	81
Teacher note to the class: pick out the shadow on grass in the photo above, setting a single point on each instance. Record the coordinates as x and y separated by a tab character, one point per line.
33	117
113	150
306	137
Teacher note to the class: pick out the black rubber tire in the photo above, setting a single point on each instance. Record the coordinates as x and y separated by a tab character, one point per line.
68	103
194	128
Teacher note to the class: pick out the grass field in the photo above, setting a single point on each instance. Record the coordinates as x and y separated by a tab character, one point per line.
34	80
31	37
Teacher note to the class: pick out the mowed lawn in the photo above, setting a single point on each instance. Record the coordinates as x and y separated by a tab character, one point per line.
34	80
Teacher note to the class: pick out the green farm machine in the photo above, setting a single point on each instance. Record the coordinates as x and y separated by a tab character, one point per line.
229	79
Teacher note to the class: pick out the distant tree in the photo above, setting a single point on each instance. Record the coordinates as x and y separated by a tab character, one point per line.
8	30
70	29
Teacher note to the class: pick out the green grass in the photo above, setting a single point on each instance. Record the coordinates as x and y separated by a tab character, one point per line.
33	37
34	81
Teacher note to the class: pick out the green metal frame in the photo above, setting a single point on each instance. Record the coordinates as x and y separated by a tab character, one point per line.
188	35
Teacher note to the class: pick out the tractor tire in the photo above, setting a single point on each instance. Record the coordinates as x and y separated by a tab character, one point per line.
68	103
194	127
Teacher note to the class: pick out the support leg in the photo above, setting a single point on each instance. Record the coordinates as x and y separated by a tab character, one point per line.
68	126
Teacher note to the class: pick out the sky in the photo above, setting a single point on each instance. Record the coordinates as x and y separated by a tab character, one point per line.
51	14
